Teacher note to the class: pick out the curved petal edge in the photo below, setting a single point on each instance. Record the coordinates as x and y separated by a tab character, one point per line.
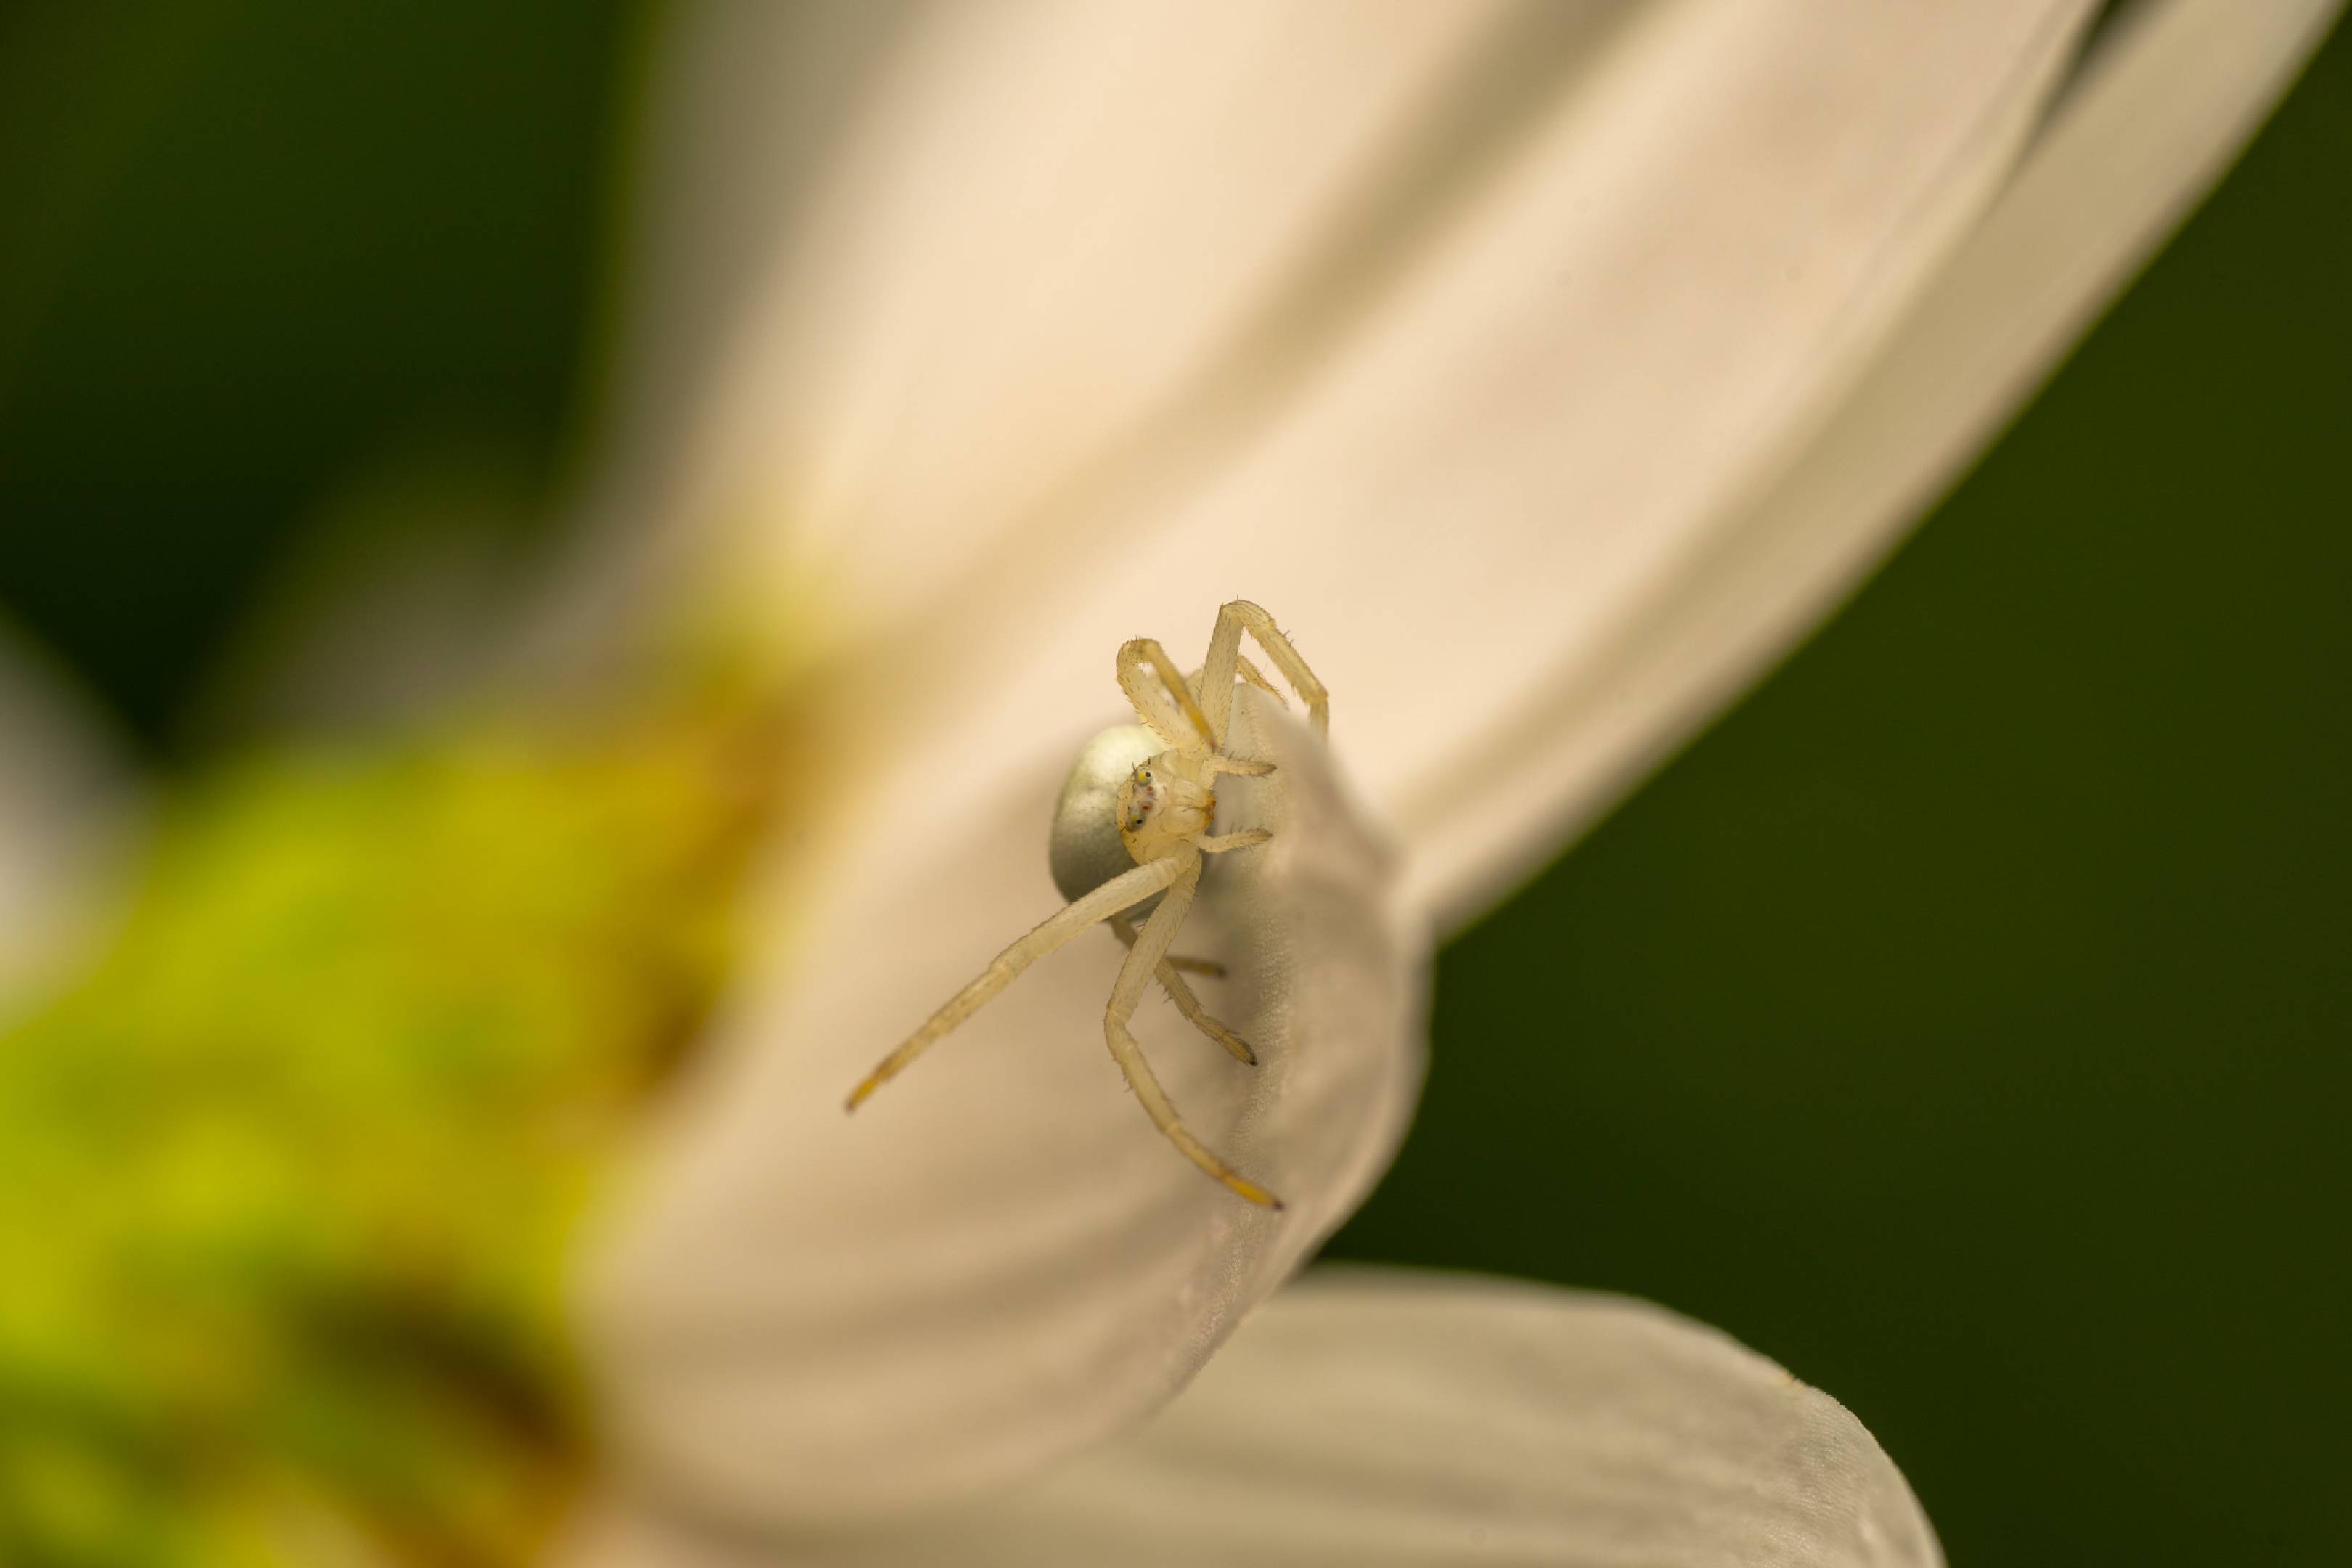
1387	1420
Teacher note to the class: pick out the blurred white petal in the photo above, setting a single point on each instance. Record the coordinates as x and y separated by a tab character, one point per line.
1007	406
1037	226
395	599
2163	110
817	1316
1380	1419
64	815
1616	319
748	99
1589	342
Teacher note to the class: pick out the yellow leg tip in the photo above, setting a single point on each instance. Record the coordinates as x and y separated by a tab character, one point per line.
1256	1194
1236	1046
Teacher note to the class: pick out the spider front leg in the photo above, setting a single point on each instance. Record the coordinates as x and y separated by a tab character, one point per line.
1120	892
1142	961
1160	697
1217	673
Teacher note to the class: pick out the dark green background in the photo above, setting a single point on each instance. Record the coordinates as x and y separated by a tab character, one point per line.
1961	1021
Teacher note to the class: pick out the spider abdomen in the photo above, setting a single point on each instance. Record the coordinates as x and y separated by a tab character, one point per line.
1084	850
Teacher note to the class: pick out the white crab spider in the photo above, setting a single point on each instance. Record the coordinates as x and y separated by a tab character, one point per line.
1145	847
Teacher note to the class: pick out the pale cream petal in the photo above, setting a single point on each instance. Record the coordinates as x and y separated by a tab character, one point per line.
1656	283
2152	124
1634	319
1380	1419
743	102
808	1315
66	815
1036	222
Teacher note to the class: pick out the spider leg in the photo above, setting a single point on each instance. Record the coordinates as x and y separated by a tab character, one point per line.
1133	975
1218	843
1162	698
1124	929
1119	893
1218	673
1251	674
1181	994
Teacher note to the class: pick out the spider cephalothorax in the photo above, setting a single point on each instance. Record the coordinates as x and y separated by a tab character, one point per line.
1129	834
1160	805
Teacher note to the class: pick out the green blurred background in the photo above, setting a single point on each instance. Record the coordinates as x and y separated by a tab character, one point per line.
1961	1020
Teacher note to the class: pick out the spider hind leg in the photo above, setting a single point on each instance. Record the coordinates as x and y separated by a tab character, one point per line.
1181	994
1143	963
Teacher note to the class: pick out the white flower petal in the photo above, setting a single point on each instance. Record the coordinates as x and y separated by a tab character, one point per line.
1657	292
1041	220
1638	307
812	1316
1396	1419
2166	108
745	101
1624	463
64	815
1626	334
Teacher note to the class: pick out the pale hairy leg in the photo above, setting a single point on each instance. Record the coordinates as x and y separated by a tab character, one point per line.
1160	697
1181	996
1133	975
1123	928
1251	674
1119	893
1219	670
